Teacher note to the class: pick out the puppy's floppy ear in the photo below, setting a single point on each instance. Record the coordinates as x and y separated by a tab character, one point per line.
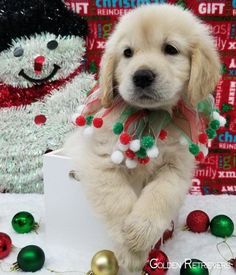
205	70
106	77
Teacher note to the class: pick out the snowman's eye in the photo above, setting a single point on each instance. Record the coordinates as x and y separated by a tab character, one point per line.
52	45
18	51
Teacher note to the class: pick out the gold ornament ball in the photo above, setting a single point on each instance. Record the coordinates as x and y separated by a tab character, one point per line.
104	262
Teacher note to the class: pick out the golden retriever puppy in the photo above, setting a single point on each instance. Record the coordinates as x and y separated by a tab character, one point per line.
156	55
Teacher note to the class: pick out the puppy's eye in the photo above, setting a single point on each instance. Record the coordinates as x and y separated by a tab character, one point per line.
171	50
52	45
128	52
18	51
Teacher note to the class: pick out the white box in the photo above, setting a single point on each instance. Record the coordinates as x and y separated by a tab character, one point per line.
70	220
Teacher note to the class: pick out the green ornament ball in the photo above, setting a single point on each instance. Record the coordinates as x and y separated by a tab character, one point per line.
222	226
194	149
89	120
31	258
215	124
147	142
142	153
211	133
118	128
194	267
23	222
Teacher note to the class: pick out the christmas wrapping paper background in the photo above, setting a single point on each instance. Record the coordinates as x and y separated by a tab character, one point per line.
218	172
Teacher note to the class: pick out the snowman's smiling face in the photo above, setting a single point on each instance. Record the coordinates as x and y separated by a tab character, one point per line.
40	59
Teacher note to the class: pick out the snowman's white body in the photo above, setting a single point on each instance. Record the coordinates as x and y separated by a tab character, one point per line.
22	141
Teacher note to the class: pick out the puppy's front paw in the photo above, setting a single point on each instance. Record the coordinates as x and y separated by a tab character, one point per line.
141	233
133	261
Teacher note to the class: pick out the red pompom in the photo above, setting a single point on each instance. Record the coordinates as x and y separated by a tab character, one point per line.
200	157
97	122
40	119
157	263
163	134
5	245
130	154
198	221
125	138
143	160
80	121
203	138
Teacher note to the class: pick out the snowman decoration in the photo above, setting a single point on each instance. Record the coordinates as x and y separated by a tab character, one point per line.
41	83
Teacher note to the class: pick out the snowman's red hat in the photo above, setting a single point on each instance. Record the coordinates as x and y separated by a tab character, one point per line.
28	17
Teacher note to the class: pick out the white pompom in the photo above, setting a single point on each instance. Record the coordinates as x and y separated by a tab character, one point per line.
135	145
204	150
131	164
122	147
88	131
73	117
216	115
80	109
117	157
153	152
222	121
183	140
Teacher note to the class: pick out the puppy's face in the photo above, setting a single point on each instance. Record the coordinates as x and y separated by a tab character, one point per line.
153	65
152	53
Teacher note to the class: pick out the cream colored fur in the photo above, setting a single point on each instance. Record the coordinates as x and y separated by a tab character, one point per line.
138	205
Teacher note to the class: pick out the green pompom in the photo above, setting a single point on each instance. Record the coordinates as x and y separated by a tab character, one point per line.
118	128
215	124
147	142
211	133
142	153
194	149
89	120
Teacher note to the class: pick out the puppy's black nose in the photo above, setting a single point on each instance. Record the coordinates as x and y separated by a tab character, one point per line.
143	78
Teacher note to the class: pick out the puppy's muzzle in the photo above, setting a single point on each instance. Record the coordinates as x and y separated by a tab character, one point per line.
143	78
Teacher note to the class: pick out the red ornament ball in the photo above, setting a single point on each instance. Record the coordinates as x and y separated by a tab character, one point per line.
200	157
163	135
144	160
197	221
40	119
97	122
203	138
168	234
157	263
80	121
5	245
130	154
125	138
232	262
